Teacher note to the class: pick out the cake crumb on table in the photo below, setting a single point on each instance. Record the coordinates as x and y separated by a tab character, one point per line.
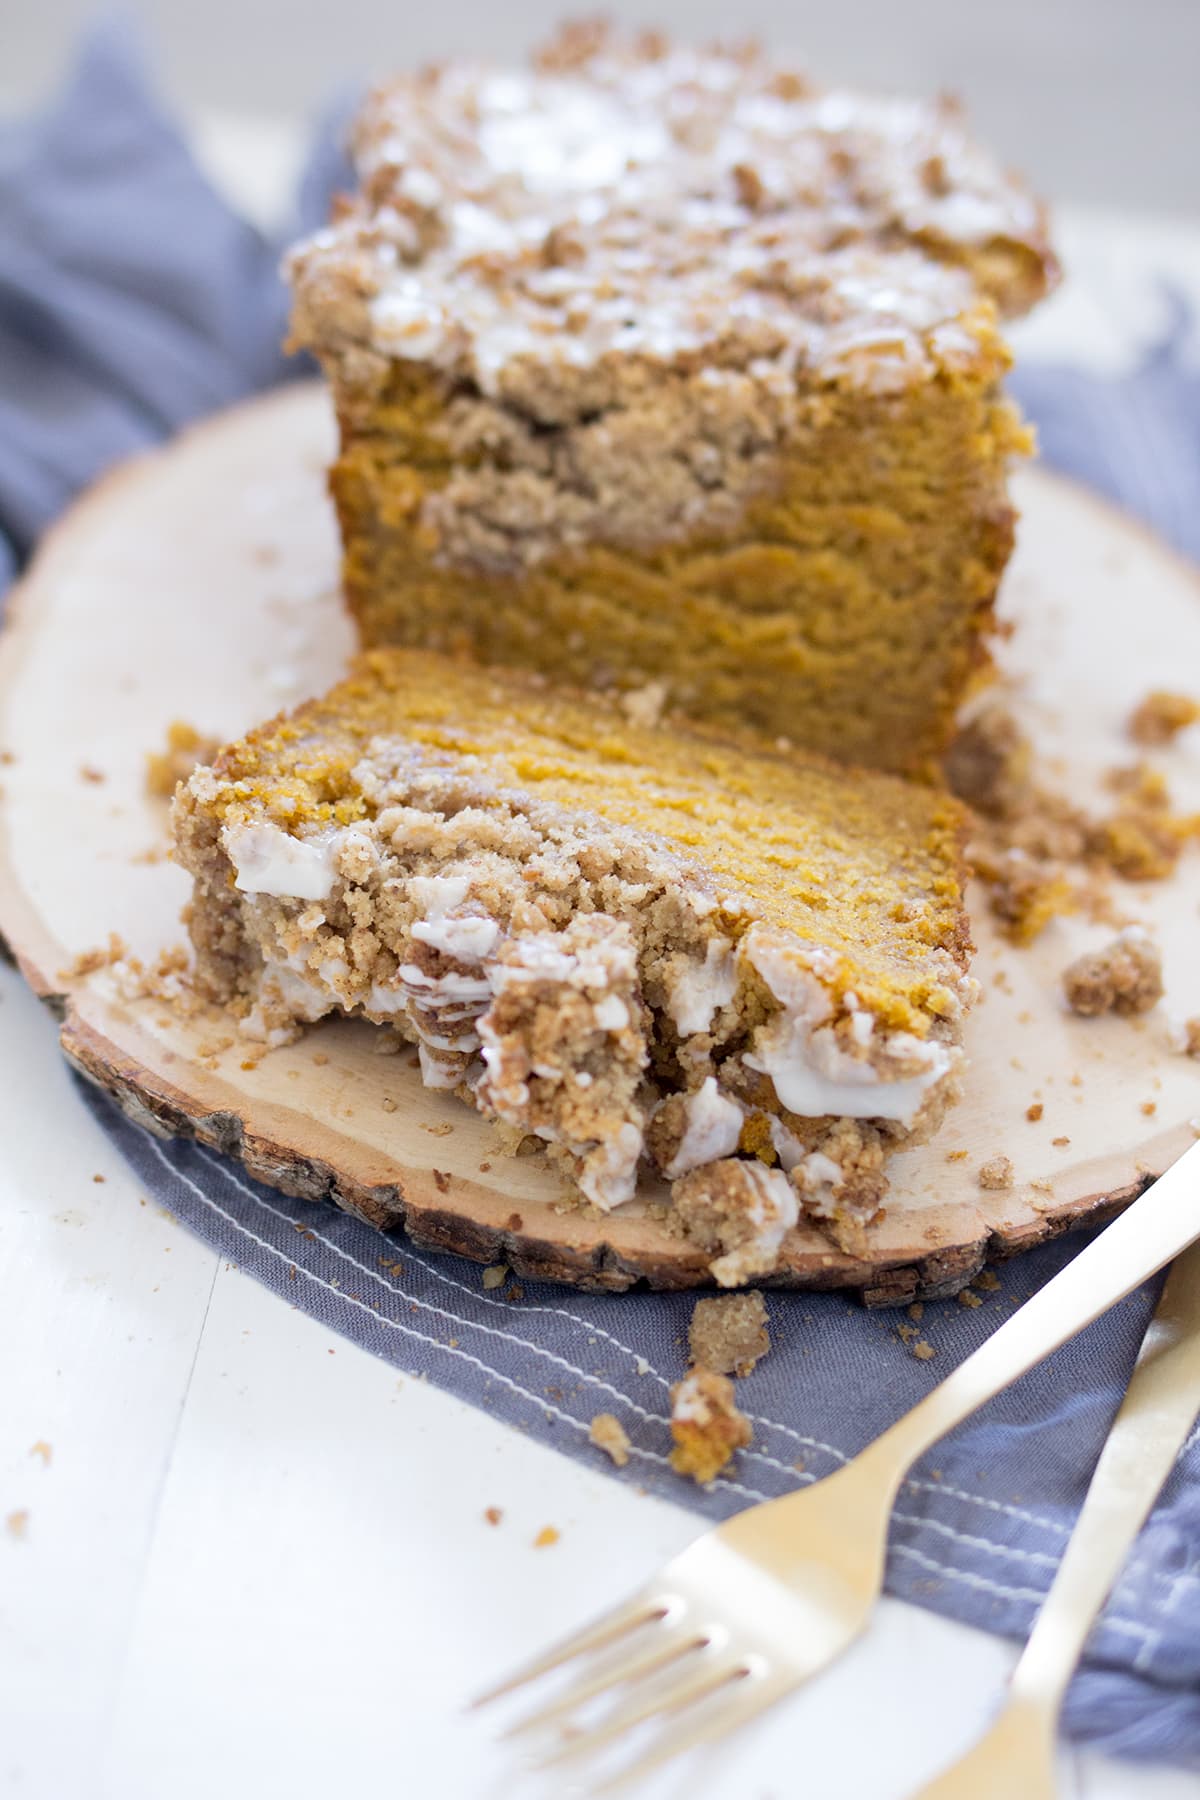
17	1523
1124	977
43	1450
1188	1038
997	1172
493	1514
608	1434
922	1350
966	1298
988	1280
495	1275
706	1425
728	1332
1033	1113
1161	716
548	1535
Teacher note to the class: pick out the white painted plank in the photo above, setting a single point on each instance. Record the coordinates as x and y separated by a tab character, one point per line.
102	1300
325	1586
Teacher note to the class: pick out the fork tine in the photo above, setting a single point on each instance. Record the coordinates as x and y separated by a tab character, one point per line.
670	1644
638	1708
747	1698
637	1610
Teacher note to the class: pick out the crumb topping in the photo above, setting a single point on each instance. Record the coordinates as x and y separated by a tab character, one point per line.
184	749
997	1172
628	199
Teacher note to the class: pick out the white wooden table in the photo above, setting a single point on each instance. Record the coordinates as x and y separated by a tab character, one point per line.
239	1557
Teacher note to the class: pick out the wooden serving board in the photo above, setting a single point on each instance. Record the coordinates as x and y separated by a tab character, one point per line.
200	583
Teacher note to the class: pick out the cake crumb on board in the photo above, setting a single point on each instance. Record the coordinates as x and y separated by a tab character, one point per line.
493	1514
1161	716
548	1535
185	748
997	1172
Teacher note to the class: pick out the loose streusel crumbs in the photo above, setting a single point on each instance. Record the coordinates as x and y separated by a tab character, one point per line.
997	1172
608	1434
1161	716
1124	977
185	749
728	1332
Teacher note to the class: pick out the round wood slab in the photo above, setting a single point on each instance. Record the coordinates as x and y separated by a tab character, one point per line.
200	583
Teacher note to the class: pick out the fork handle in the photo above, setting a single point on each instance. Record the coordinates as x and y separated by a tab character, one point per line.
1135	1246
1160	1405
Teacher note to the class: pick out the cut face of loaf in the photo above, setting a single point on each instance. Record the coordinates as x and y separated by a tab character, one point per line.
649	951
665	367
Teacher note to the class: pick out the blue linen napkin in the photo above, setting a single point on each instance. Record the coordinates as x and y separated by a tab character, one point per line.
131	300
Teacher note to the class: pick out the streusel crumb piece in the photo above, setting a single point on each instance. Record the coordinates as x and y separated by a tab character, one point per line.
997	1172
185	749
728	1332
990	762
706	1425
1162	716
608	1434
1124	977
739	1214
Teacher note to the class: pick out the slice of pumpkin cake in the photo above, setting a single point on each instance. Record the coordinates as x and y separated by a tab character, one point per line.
651	950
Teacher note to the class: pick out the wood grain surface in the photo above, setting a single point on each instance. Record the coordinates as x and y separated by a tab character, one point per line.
199	583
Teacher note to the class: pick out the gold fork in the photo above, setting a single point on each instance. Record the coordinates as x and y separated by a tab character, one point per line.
1016	1756
756	1606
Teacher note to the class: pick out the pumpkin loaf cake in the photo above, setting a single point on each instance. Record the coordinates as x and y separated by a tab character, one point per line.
654	951
664	370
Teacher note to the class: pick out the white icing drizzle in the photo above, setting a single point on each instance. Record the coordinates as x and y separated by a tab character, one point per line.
814	1075
658	206
700	989
711	1132
267	860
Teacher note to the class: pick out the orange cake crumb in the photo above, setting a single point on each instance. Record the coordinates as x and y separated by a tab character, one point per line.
1161	716
608	1434
185	748
706	1425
